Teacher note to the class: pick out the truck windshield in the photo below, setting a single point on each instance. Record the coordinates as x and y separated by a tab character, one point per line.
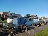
35	20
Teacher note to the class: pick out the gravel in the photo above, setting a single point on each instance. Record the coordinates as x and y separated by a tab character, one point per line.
32	31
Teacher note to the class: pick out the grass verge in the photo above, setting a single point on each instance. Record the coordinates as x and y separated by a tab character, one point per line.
44	32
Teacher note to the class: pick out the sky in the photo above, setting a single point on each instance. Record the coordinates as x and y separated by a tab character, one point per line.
23	7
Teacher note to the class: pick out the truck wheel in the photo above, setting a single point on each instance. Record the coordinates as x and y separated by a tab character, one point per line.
37	25
14	33
42	24
32	24
26	29
45	23
10	35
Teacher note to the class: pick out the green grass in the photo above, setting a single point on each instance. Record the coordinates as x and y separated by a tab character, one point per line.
44	32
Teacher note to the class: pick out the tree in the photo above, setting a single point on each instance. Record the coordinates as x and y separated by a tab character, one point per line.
36	15
9	11
27	15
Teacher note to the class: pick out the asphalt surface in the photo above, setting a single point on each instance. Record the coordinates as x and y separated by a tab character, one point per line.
32	31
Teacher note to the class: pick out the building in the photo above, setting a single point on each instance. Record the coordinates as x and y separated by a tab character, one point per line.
1	14
10	15
16	15
4	15
33	16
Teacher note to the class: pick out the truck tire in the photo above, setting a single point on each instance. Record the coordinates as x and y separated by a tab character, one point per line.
32	24
39	24
26	29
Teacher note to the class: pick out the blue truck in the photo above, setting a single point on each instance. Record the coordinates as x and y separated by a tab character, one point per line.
33	21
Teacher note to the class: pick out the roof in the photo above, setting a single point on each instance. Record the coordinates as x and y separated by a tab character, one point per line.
18	15
25	17
5	13
33	15
12	13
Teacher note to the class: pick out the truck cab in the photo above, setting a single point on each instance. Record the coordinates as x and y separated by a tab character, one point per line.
32	21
